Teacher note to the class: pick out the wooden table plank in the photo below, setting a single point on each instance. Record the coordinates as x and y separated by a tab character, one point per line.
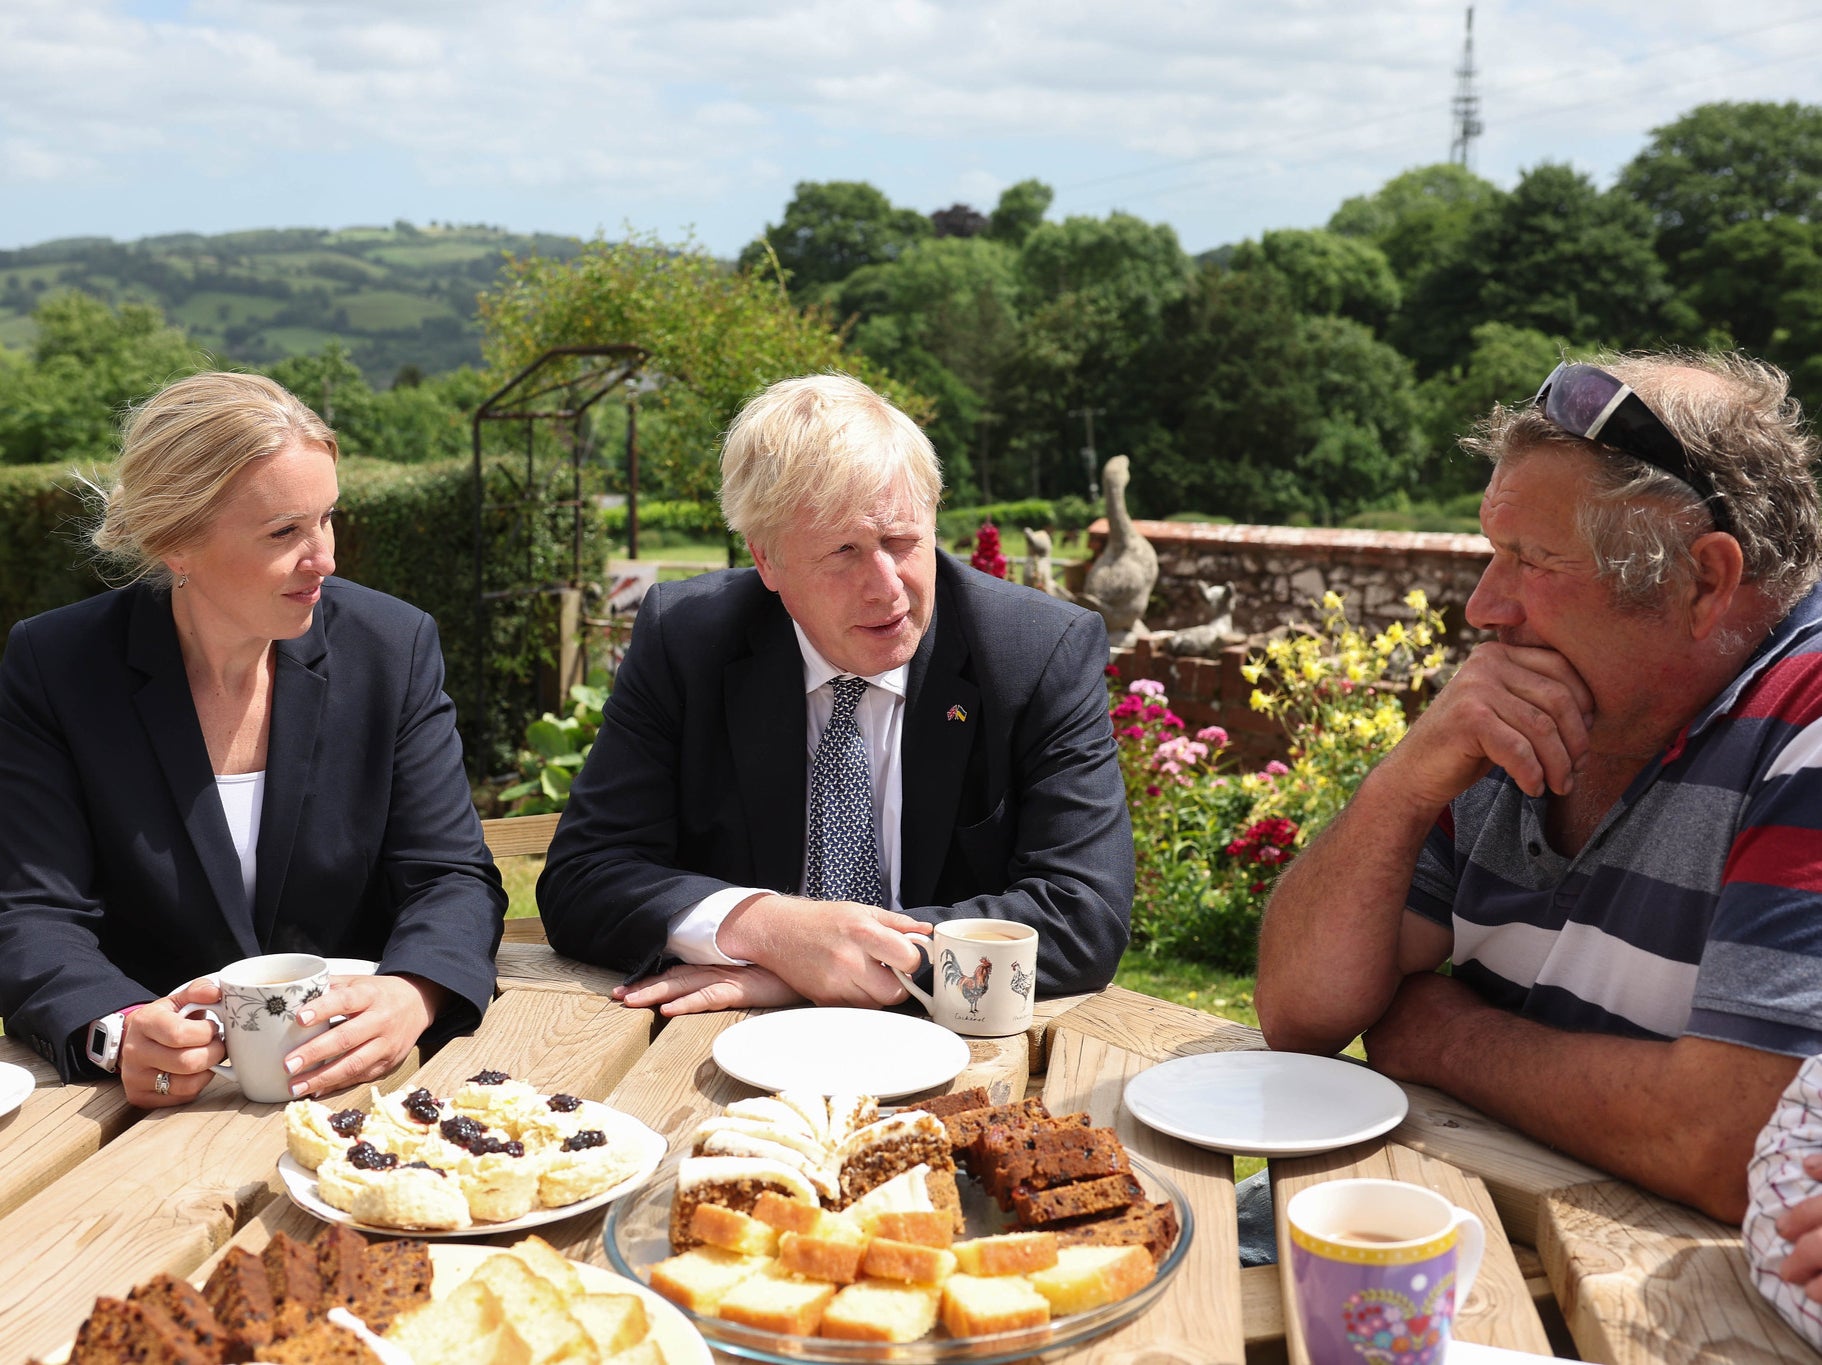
57	1128
1201	1316
555	1040
1155	1029
1643	1281
1517	1171
1499	1312
537	966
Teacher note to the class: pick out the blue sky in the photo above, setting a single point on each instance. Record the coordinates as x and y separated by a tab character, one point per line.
126	118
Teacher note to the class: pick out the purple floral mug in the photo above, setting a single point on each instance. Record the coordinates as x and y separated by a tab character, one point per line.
1378	1268
257	1018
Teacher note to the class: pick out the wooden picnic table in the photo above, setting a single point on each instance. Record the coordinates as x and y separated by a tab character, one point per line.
96	1196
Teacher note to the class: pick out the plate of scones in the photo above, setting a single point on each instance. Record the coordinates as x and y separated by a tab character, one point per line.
803	1227
496	1156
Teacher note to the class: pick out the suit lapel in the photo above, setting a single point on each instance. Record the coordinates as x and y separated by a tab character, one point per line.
942	714
763	697
300	686
168	713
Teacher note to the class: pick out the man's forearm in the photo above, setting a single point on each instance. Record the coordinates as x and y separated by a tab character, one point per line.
1329	952
1678	1118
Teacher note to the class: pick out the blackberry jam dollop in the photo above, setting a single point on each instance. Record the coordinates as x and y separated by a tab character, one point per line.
364	1156
423	1106
564	1104
582	1141
347	1122
462	1130
423	1166
490	1078
487	1146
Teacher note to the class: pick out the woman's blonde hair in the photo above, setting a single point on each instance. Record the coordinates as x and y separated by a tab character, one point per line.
178	452
813	451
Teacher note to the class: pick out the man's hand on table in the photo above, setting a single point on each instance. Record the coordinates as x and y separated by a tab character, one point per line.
1801	1226
1406	1043
691	988
828	952
1517	707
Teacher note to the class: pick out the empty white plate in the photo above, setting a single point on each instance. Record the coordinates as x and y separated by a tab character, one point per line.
1265	1103
15	1084
841	1052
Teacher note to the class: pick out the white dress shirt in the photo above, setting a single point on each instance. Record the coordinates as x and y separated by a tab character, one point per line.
881	719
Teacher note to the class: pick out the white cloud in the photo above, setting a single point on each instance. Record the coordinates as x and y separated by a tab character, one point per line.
1212	116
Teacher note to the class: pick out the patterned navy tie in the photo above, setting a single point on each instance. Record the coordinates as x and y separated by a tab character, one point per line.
843	858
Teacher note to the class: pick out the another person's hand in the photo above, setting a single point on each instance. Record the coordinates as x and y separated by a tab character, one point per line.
1520	708
1801	1226
383	1016
689	988
159	1039
829	952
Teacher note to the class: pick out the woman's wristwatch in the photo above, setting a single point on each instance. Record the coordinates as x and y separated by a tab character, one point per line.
104	1039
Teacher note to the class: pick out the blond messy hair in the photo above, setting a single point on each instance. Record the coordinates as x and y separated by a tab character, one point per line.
179	451
812	451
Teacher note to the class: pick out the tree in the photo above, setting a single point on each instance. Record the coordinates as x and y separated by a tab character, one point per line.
1418	219
712	338
88	364
1722	164
1759	283
959	220
1504	364
830	230
1327	273
1021	208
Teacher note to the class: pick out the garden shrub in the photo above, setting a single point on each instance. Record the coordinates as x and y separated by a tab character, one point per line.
1210	842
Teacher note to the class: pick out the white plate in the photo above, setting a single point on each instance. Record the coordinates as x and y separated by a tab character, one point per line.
1265	1103
15	1084
841	1052
451	1264
682	1343
300	1184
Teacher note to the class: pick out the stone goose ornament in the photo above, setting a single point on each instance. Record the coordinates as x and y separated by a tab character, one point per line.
1037	564
1120	581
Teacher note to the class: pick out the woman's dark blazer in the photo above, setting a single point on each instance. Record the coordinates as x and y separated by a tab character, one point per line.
118	878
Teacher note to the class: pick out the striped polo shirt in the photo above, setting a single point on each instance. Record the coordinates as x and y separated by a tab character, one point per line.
1695	908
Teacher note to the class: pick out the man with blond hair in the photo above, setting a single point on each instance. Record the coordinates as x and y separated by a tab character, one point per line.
803	762
1608	820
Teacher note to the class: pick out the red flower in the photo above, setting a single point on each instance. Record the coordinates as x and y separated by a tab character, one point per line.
987	557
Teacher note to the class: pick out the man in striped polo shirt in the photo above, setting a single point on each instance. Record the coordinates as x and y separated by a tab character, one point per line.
1610	820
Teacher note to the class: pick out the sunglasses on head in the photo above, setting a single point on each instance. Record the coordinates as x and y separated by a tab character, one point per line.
1586	401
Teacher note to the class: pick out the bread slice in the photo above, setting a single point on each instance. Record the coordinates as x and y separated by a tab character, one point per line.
118	1330
699	1278
719	1226
545	1260
297	1288
784	1214
926	1227
647	1352
1010	1253
833	1252
534	1307
907	1262
241	1297
1086	1277
974	1305
614	1322
184	1304
397	1276
468	1327
321	1343
879	1310
778	1301
341	1265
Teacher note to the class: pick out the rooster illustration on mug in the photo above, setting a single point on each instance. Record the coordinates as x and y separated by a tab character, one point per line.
972	985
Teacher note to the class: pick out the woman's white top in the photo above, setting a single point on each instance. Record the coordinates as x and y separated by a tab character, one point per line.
242	794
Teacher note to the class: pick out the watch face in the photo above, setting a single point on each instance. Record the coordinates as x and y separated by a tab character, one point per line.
100	1053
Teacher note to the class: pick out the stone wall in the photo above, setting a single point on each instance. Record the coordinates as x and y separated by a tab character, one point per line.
1278	572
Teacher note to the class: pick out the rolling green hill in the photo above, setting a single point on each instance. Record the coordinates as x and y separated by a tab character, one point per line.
393	296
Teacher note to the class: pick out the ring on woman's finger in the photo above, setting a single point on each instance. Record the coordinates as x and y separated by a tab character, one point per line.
161	1082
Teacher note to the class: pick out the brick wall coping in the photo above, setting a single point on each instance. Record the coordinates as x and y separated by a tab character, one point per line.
1326	537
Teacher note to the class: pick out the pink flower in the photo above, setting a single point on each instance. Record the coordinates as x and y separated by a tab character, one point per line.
1213	734
1154	790
1146	687
1133	732
1276	769
1112	670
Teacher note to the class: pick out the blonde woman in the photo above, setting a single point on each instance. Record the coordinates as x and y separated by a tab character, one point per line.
234	753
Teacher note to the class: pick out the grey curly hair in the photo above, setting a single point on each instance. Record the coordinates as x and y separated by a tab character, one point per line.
1739	425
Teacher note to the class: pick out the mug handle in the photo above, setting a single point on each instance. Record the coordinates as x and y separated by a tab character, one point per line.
925	945
223	1067
1469	1249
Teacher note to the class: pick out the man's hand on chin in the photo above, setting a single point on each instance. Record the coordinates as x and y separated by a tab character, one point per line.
1424	1017
689	988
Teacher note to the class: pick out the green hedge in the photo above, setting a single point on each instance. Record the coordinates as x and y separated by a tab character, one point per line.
407	530
699	519
703	519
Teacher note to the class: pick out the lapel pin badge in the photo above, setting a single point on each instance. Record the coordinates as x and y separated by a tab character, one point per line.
956	712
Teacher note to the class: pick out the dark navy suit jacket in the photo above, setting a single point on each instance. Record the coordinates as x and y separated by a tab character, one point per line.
118	878
1013	801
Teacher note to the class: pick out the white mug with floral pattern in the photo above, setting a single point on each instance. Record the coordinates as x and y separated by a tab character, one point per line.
257	1018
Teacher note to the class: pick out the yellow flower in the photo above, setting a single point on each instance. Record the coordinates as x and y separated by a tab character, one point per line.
1331	600
1395	632
1252	672
1259	701
1417	600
